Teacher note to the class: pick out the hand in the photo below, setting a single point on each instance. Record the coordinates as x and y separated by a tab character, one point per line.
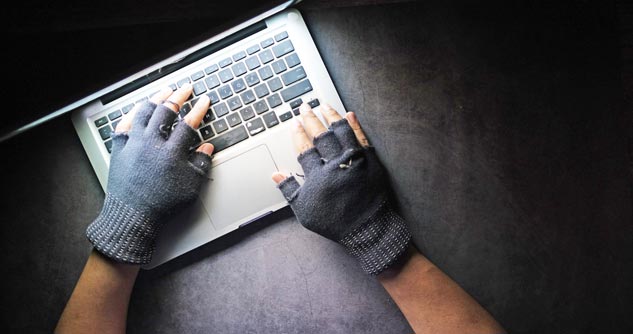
153	172
345	194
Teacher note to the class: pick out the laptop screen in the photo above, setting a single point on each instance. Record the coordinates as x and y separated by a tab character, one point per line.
60	55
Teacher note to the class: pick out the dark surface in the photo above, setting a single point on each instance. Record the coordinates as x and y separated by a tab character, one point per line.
505	132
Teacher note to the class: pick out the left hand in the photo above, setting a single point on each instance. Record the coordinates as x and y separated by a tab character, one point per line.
153	172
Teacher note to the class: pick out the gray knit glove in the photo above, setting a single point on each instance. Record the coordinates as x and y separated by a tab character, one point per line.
153	173
345	198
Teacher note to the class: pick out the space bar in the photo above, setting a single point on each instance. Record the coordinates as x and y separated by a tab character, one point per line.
229	139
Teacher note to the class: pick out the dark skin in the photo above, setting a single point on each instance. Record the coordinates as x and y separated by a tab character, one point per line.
430	300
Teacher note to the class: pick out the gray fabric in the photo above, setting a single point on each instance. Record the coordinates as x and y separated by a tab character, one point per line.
153	173
345	199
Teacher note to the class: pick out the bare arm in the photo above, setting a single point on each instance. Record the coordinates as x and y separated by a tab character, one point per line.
100	300
432	302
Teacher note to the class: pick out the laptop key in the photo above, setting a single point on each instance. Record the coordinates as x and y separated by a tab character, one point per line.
239	56
183	81
225	62
248	96
247	113
253	49
127	108
115	123
238	85
114	115
239	69
197	76
293	60
260	106
283	48
173	86
285	116
101	121
211	69
229	139
296	111
261	90
296	103
225	75
252	63
255	126
279	66
221	109
275	84
252	79
296	90
209	116
212	81
213	96
108	146
220	126
293	76
186	108
265	72
199	88
233	119
281	36
105	132
266	56
225	91
314	103
206	132
274	100
267	42
270	119
234	103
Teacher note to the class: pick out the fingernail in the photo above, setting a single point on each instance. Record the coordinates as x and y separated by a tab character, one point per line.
305	108
185	85
352	117
207	149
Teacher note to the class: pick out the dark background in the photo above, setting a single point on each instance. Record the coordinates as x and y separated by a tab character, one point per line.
505	126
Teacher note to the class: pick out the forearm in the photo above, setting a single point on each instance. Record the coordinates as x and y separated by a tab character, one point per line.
100	300
432	302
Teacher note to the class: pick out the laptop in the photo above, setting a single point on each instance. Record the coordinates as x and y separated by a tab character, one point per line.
256	75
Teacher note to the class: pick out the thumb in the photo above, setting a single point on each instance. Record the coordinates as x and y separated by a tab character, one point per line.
278	177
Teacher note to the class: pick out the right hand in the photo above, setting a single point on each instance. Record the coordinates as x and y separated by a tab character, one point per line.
345	194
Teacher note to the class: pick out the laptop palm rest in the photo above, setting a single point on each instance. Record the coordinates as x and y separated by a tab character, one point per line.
241	187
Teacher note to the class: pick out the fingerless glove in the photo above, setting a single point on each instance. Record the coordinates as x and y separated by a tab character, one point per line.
153	173
345	198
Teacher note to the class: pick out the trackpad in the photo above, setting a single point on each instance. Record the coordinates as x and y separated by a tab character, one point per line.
241	187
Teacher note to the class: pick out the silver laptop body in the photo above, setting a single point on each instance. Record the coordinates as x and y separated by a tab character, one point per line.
239	189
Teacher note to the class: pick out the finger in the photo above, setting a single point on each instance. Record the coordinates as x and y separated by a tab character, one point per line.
201	160
311	123
278	177
289	188
126	122
179	97
330	114
195	116
162	95
358	131
205	148
300	139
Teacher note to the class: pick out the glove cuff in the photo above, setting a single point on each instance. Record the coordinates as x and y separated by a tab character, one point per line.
380	241
123	233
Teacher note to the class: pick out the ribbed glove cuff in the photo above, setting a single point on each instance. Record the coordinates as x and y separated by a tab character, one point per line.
122	233
380	241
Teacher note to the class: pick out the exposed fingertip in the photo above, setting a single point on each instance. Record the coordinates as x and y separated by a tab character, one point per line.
278	177
206	148
351	117
304	108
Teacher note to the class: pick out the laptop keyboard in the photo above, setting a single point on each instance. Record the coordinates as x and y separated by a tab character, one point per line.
243	89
